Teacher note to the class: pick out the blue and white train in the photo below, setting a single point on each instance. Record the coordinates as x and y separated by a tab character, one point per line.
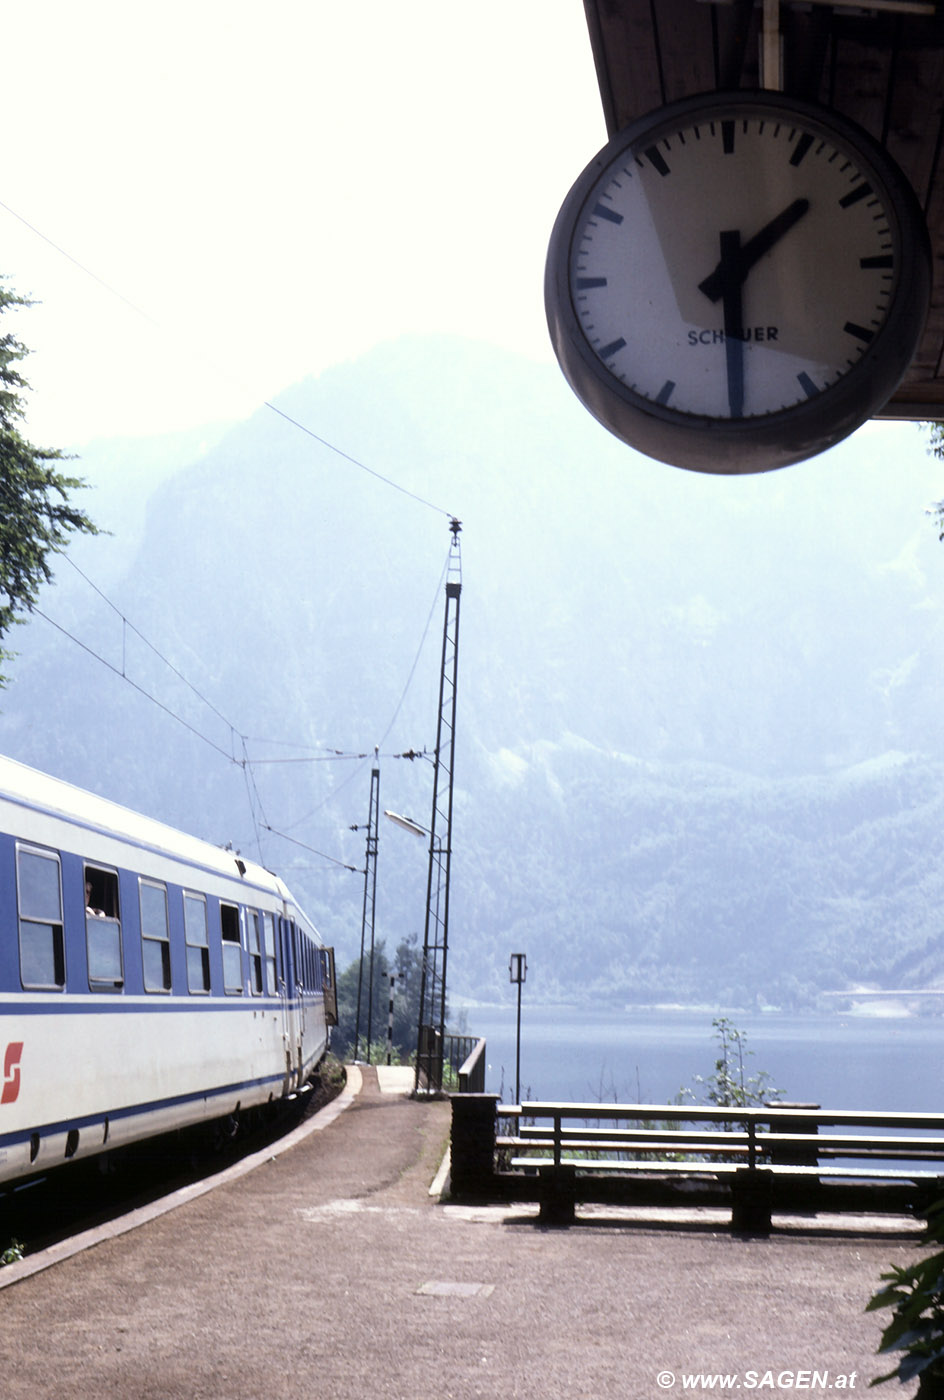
148	981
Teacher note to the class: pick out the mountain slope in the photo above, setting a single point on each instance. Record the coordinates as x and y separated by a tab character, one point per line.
700	739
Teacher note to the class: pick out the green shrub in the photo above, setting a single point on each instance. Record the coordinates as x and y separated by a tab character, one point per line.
13	1255
916	1296
730	1086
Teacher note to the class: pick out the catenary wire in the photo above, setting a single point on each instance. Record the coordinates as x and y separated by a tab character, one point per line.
152	320
149	644
333	859
419	649
331	755
409	680
134	684
245	762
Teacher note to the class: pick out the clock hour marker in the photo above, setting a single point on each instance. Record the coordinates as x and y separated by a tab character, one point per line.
603	211
853	197
882	260
657	160
608	351
807	385
586	284
801	148
727	137
665	393
860	332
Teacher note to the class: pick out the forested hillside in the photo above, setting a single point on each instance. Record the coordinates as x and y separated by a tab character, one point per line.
701	742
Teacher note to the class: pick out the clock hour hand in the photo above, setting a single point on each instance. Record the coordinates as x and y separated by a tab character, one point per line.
755	248
731	283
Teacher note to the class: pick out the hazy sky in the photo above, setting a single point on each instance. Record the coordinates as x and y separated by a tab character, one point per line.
211	200
267	190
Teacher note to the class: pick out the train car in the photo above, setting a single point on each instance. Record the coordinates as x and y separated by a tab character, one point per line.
149	981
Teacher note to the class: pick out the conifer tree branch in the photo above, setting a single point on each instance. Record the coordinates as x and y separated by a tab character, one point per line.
37	515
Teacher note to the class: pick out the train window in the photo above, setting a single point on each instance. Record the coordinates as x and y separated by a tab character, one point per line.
155	939
255	952
39	900
198	950
268	924
326	959
103	930
232	951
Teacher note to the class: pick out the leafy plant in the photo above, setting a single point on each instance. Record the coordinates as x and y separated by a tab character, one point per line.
916	1329
13	1254
730	1086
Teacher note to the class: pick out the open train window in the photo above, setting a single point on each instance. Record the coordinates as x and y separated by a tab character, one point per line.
155	938
198	948
39	905
329	985
232	950
103	930
254	947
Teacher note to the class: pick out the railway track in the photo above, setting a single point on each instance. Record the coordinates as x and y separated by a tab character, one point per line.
45	1210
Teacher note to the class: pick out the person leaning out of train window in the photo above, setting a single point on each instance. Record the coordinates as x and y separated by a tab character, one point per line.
98	913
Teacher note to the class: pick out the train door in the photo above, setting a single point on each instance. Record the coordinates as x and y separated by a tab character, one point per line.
301	987
292	1009
328	987
285	976
275	964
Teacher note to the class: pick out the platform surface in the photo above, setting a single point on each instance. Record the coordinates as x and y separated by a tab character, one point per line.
330	1271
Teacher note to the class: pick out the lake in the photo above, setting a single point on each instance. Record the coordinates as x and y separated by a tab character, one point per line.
646	1056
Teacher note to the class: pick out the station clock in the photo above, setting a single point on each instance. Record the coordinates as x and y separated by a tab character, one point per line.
737	281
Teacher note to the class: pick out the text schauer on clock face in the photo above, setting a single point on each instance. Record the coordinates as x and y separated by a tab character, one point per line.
737	281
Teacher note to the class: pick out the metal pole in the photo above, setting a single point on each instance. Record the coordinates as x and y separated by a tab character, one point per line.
367	915
431	1027
518	1052
393	983
517	972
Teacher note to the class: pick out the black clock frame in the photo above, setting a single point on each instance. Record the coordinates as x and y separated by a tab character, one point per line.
734	446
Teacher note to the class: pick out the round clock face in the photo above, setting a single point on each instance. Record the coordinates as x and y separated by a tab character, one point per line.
737	282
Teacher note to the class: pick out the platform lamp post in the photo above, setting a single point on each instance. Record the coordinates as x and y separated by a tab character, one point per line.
518	971
429	1028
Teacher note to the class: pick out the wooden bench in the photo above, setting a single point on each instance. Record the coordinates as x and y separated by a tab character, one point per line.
761	1156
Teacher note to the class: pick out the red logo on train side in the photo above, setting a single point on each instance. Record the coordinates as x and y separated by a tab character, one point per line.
11	1072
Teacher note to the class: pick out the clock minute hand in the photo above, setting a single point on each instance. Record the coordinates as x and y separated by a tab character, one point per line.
755	248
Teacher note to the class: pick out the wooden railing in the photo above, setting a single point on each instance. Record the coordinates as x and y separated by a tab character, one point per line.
793	1157
776	1138
466	1055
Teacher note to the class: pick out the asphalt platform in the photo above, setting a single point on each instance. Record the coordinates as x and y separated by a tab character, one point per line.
329	1269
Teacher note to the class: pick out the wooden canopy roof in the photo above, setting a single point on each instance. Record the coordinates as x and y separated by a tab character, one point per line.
880	64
